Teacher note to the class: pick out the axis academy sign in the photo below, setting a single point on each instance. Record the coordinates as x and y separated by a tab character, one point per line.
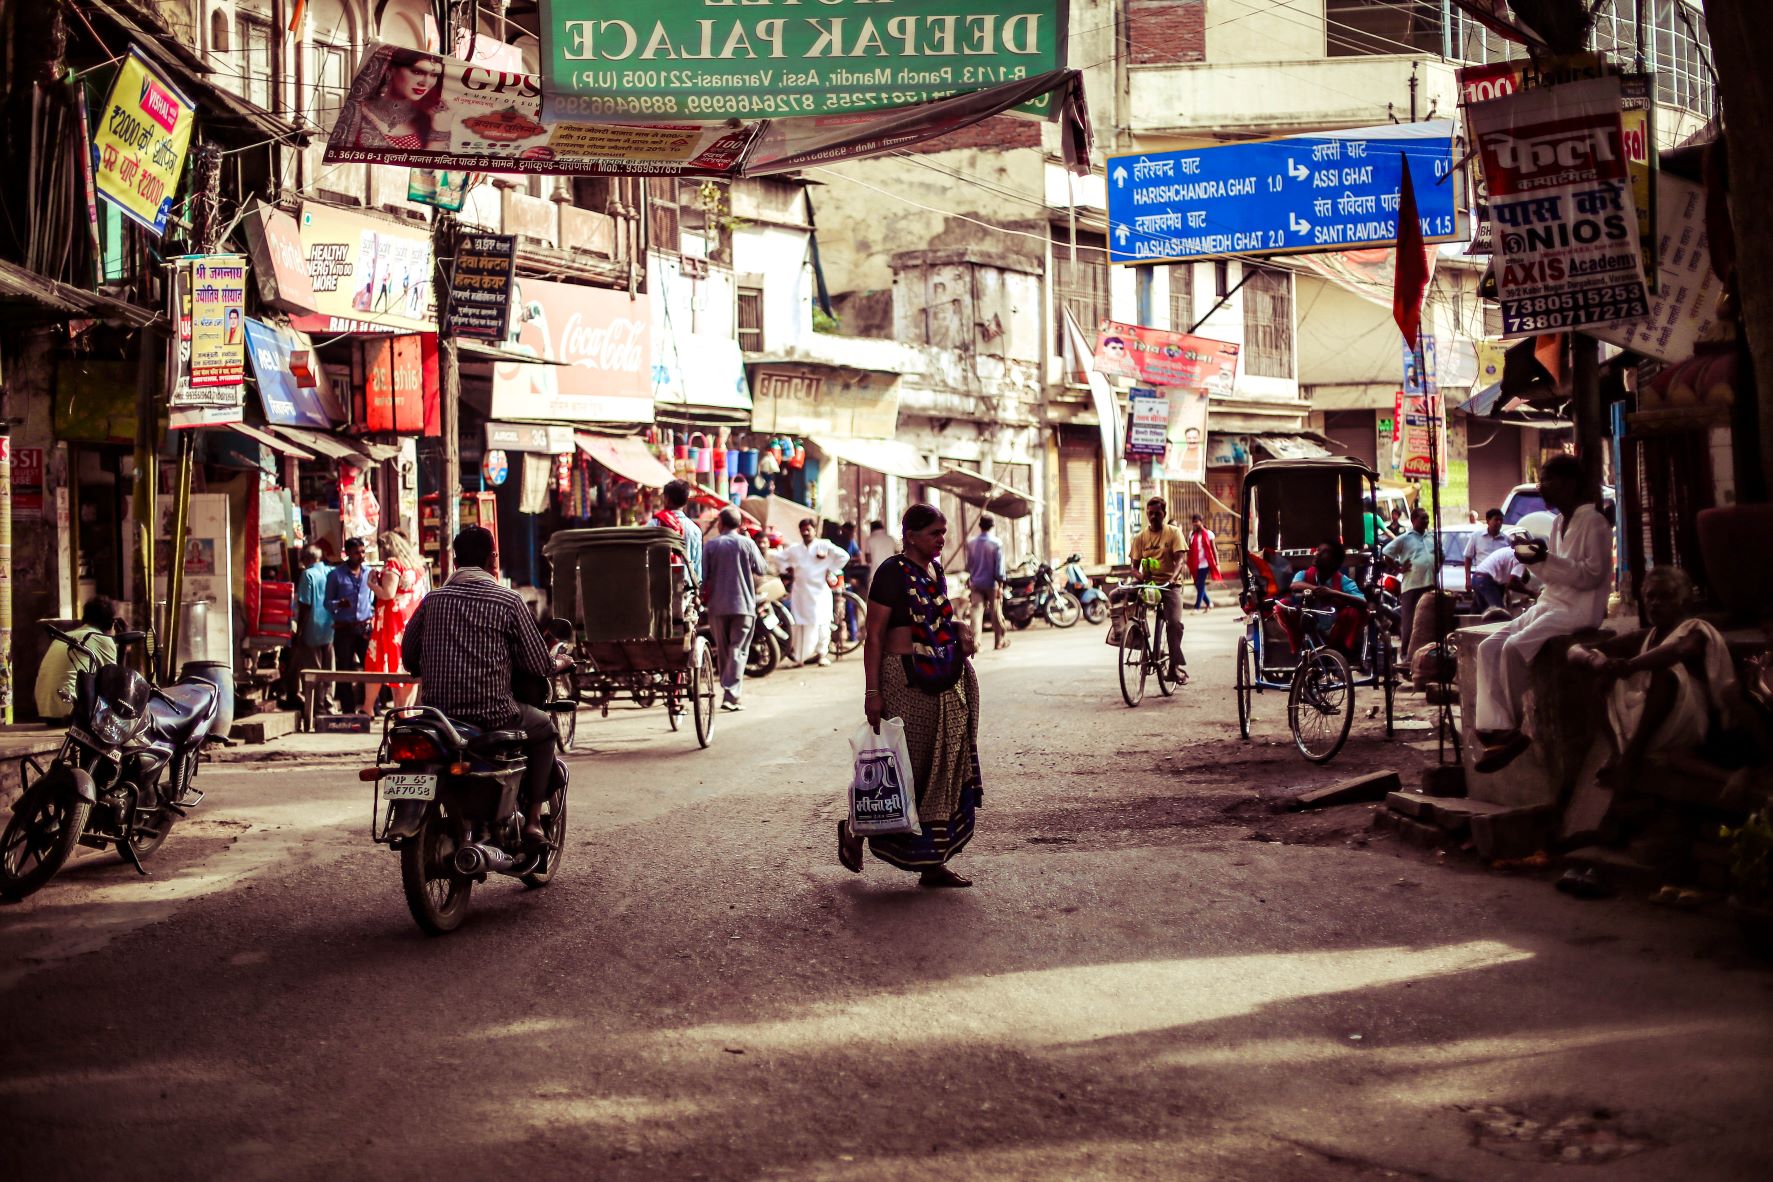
766	59
1331	191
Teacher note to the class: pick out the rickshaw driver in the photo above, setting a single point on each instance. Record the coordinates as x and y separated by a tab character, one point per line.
1164	545
467	643
1325	579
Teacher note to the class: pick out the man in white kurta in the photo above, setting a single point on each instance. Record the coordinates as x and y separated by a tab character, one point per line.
811	560
1576	572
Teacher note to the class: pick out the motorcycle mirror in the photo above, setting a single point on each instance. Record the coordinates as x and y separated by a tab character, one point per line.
127	638
560	629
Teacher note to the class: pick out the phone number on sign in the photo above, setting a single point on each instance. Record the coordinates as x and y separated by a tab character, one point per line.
1566	301
1513	323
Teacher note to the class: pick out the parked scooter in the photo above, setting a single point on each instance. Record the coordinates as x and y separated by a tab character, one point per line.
448	799
123	774
1091	597
1029	595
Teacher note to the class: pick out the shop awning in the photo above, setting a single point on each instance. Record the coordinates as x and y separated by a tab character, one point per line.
63	301
266	439
1290	447
626	456
326	445
472	350
984	492
890	457
781	514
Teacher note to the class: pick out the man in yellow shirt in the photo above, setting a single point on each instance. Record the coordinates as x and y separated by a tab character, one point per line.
1163	543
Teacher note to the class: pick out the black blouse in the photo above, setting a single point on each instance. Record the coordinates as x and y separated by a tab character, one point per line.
889	589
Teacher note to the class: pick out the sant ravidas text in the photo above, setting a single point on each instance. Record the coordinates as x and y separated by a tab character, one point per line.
718	59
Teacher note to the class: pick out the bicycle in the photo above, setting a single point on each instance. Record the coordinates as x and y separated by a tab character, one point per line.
1320	686
1144	648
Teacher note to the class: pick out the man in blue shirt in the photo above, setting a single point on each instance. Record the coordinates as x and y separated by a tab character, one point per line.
731	563
1325	580
313	626
352	602
984	577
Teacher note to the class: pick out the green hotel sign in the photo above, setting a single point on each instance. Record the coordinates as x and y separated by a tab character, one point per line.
698	60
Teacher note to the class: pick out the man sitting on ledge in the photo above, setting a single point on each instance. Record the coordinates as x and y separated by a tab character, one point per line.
1575	568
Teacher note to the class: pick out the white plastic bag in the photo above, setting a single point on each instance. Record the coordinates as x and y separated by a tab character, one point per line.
883	794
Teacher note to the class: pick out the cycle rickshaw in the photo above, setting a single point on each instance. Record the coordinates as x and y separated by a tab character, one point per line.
634	605
1289	508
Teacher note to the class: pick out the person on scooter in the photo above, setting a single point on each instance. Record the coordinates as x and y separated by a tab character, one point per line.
466	643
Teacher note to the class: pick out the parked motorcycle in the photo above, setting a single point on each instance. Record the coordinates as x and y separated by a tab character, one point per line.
448	800
1029	595
1091	597
122	777
769	638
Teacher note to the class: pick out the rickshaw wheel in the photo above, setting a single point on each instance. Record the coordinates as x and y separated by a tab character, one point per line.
1132	663
704	687
1320	704
1246	685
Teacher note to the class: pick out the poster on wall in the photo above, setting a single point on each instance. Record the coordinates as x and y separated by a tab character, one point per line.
143	132
1565	220
218	320
1148	423
1155	357
1187	456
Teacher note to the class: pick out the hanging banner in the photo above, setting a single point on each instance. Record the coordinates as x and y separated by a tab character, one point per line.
1187	455
686	59
438	188
1159	358
218	320
480	288
1561	200
452	114
1148	423
1684	309
140	142
1419	416
368	274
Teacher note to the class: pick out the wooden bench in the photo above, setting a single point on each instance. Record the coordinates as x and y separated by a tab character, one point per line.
313	679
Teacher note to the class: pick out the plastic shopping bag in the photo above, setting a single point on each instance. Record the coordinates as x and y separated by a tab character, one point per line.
883	795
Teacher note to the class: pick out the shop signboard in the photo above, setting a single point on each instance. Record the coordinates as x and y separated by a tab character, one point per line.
218	318
495	466
480	288
140	141
1326	191
368	274
837	402
1684	309
549	439
1148	423
722	59
27	483
1561	201
393	385
439	188
1155	357
602	339
287	400
279	264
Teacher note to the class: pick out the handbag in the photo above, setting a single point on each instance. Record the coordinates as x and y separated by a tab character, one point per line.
883	793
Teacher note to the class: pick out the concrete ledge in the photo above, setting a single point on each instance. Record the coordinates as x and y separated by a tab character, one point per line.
262	728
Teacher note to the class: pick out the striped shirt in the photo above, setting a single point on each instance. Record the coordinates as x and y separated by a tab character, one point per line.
464	642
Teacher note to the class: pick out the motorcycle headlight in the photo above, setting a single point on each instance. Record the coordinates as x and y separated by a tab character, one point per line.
107	726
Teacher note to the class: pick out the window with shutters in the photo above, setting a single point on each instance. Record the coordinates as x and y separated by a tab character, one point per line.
663	232
332	81
1268	322
1181	297
1081	286
255	60
751	319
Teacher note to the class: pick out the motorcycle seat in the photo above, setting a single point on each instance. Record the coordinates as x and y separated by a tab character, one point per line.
484	741
177	711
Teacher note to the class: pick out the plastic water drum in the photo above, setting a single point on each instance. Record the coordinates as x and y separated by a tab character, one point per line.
221	675
747	462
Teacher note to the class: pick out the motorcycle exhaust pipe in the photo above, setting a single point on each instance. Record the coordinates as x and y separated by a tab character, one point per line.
476	858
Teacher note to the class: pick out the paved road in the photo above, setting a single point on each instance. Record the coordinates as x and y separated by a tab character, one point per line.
1143	984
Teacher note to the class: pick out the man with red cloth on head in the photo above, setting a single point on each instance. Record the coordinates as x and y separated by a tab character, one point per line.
1325	580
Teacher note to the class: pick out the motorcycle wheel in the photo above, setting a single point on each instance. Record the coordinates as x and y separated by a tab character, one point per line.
766	653
39	840
1064	610
146	843
1020	622
435	894
554	821
567	724
1095	611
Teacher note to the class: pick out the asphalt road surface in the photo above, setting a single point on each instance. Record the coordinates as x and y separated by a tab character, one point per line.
1155	977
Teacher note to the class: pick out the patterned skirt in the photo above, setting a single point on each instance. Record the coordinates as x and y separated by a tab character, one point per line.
942	731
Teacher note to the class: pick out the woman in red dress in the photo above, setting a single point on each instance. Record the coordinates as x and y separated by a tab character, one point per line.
398	586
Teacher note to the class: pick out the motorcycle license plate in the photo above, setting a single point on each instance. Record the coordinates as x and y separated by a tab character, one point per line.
409	787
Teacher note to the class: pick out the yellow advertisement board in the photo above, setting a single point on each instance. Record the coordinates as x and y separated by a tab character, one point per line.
140	141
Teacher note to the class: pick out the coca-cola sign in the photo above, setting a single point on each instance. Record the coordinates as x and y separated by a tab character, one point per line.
601	337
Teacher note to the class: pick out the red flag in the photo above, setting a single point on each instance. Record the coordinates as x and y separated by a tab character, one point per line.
1412	263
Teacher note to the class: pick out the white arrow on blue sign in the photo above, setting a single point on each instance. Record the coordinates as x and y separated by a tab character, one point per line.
1333	190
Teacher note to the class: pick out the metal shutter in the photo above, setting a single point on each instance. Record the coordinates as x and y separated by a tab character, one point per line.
1080	495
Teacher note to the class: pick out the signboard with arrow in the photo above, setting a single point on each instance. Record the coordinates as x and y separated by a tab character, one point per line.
1329	191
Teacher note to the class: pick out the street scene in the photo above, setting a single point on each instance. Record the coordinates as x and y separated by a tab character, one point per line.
1015	589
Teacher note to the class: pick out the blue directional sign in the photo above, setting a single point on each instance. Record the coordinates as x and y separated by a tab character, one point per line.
1334	190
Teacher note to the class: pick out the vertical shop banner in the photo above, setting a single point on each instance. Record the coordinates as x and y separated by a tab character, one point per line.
703	60
1187	456
1560	196
1159	358
218	320
1684	309
140	142
1419	416
393	385
1423	378
480	289
1148	423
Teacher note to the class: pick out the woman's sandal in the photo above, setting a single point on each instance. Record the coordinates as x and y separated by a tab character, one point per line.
849	848
941	876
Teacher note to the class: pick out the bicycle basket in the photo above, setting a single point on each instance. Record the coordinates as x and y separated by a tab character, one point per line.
1151	596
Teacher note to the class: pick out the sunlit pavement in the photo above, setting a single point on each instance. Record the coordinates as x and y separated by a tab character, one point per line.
1139	985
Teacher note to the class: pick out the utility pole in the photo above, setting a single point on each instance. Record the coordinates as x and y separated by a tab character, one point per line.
444	235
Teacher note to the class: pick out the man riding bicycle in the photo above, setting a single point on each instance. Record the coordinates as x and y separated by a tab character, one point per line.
1158	553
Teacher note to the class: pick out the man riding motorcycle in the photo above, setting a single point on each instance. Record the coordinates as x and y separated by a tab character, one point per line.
469	643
